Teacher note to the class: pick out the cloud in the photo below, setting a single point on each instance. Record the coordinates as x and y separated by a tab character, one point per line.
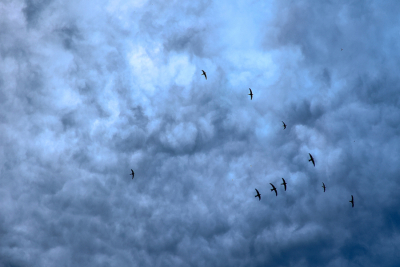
90	90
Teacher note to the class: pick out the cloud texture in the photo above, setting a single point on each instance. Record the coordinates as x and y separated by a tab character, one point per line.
92	89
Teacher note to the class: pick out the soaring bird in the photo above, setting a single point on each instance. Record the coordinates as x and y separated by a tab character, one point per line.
311	159
204	73
284	125
133	174
251	94
258	195
284	183
274	189
352	201
323	185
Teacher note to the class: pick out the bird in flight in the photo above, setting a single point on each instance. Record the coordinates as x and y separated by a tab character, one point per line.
251	94
274	189
341	49
352	201
133	174
323	185
311	159
284	183
284	125
258	195
204	73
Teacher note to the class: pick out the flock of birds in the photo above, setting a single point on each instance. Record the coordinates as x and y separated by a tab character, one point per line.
284	182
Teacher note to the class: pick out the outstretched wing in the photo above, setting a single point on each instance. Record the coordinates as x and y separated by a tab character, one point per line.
272	186
257	192
312	159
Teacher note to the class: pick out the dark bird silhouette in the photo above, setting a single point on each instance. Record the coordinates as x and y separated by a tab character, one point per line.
204	73
251	94
323	185
284	183
274	189
352	201
133	174
284	125
311	159
341	49
258	195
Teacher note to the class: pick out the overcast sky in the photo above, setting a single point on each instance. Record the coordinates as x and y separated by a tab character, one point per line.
92	89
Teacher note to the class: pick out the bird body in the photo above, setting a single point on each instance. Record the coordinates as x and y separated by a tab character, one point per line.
284	183
352	201
274	189
204	73
284	125
311	159
251	94
133	173
323	185
258	195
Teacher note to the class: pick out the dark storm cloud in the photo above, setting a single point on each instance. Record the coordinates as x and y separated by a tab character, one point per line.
91	90
33	10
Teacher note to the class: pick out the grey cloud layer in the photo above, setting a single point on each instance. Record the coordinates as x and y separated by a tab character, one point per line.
90	90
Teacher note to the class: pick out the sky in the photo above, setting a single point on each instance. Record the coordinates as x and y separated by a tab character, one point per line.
92	89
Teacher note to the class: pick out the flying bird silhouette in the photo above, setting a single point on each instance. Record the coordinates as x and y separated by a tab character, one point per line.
204	73
284	125
251	94
258	195
323	185
284	183
274	189
352	201
341	49
311	159
133	174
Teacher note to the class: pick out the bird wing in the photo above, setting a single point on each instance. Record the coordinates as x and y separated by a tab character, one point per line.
250	91
257	191
272	186
284	181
